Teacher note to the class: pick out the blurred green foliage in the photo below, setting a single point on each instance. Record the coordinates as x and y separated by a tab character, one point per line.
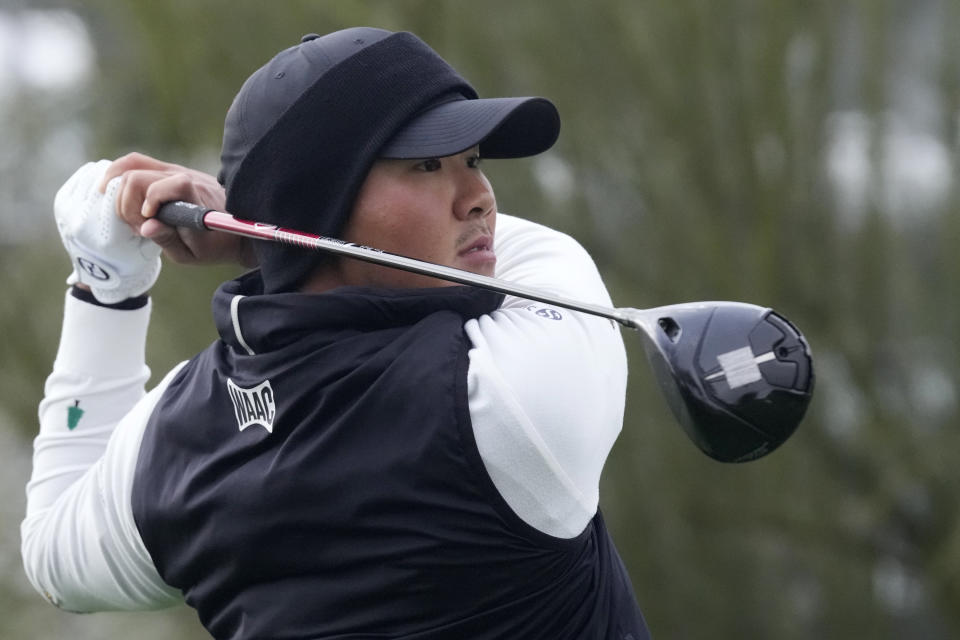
698	160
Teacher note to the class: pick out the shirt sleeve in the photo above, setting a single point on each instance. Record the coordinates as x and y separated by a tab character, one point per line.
546	386
80	545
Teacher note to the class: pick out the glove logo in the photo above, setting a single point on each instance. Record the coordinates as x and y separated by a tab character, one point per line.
92	269
253	406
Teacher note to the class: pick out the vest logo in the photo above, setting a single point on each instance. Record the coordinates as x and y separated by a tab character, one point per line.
253	406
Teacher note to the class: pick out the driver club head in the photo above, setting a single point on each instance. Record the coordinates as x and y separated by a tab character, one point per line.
738	377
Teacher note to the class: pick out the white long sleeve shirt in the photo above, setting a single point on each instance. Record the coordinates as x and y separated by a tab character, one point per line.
546	391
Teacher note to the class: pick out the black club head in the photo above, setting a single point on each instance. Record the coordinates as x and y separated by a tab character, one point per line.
738	377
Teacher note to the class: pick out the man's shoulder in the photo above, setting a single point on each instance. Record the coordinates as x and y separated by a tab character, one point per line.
512	228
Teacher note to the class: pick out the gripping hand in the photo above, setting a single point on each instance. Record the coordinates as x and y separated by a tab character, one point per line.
106	254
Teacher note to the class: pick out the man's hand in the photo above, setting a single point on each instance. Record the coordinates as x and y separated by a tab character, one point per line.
146	183
108	258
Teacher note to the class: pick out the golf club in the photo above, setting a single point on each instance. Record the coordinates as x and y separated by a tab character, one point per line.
738	377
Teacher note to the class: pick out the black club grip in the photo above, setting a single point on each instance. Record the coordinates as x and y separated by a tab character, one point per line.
182	214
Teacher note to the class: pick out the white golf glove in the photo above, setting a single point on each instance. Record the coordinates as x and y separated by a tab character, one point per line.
107	255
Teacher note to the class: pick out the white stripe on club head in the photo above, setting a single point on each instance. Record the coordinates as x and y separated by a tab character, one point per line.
739	367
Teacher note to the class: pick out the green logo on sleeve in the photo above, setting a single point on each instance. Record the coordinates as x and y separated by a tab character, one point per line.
74	414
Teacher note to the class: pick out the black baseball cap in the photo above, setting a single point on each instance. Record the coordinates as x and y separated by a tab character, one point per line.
305	128
502	127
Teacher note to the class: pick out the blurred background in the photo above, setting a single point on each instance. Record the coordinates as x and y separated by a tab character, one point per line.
801	155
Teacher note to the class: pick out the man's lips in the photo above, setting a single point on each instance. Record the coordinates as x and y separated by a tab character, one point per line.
477	254
481	243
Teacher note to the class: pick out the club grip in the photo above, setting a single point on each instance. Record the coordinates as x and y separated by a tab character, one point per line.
182	214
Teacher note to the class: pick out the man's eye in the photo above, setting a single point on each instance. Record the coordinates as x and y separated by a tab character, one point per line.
474	162
430	164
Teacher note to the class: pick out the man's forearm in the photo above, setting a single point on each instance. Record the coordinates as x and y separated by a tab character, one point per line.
98	375
80	545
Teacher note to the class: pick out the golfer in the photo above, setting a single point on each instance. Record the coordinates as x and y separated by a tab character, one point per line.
364	452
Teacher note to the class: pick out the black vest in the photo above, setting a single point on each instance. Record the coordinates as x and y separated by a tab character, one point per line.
329	486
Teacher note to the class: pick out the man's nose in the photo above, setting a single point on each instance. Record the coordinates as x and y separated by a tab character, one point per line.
475	197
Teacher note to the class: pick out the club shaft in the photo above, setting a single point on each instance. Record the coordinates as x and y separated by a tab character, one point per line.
186	214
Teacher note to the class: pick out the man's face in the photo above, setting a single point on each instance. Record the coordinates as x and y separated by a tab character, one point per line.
440	210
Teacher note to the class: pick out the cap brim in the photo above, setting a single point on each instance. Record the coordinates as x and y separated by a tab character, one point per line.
503	127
